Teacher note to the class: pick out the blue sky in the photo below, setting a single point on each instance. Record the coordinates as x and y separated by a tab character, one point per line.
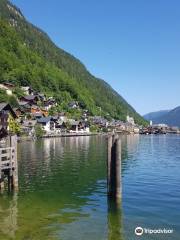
132	44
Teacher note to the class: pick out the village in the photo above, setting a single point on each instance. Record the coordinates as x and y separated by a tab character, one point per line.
36	116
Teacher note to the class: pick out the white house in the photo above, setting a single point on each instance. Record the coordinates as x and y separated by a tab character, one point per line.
27	90
47	124
136	130
5	88
130	120
49	104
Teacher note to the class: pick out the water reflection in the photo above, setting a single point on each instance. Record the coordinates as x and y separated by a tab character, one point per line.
57	175
115	231
130	146
62	193
63	190
130	143
8	215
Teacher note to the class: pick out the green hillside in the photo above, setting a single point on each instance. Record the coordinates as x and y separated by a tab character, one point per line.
29	57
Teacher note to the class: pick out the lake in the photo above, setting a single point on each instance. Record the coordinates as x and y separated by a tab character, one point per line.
62	190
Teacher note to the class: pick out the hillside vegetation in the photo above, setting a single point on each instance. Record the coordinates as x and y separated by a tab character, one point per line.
29	57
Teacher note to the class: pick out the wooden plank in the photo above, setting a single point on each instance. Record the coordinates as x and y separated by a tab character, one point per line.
118	168
7	155
15	172
7	149
8	161
109	161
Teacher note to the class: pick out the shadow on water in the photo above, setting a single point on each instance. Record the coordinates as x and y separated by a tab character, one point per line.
8	215
115	231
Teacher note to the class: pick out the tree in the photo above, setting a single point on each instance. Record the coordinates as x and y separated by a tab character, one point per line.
13	125
94	128
28	57
18	92
13	101
39	131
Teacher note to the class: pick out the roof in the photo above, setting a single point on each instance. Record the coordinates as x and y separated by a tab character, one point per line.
9	84
30	97
24	105
41	94
2	86
21	103
25	88
7	107
2	106
44	120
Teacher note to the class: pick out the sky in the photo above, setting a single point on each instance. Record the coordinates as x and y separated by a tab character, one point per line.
134	45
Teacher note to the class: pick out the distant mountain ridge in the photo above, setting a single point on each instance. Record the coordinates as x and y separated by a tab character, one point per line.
29	57
152	116
169	117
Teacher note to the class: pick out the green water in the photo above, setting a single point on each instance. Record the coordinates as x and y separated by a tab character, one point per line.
62	190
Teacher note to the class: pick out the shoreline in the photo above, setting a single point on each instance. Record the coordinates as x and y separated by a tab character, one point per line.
29	138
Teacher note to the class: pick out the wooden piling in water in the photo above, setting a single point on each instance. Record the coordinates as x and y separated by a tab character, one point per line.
114	184
8	165
15	167
1	181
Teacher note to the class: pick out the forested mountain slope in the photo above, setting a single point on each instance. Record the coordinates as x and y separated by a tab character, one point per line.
29	57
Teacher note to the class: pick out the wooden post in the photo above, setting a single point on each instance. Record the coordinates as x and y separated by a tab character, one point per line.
114	219
1	176
109	162
1	182
114	168
118	168
8	164
15	167
9	180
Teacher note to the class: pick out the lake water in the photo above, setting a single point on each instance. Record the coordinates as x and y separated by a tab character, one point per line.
62	190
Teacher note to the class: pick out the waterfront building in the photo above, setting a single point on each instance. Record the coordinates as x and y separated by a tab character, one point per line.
130	120
47	124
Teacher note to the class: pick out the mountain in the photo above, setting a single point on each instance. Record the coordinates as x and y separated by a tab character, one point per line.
29	57
171	117
152	116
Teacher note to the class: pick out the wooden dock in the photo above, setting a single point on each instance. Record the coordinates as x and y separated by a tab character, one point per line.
8	164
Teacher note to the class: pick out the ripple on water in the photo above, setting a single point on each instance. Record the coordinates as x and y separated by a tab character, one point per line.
63	190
